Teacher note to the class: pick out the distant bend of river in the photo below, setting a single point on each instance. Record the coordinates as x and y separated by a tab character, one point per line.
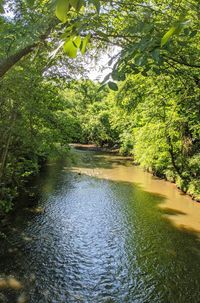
101	231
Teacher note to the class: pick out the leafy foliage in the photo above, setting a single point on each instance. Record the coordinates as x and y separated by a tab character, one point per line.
148	105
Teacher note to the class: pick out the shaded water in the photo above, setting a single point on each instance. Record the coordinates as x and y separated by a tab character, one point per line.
95	235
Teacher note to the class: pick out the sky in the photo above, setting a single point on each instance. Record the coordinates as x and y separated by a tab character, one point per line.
100	68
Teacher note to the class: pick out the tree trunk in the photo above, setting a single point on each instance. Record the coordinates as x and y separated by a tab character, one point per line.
13	59
10	61
6	149
173	158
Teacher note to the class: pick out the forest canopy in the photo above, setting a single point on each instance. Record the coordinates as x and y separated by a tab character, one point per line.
148	104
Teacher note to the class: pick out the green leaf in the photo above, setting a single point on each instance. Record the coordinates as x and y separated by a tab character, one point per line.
77	4
77	41
118	75
101	88
70	49
140	60
175	29
113	86
62	7
84	44
115	75
168	34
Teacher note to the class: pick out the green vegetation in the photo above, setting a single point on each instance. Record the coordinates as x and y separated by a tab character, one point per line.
148	105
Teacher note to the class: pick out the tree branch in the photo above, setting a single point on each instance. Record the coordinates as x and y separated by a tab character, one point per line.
13	59
10	61
183	63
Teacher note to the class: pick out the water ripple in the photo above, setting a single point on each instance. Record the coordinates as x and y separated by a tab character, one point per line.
99	241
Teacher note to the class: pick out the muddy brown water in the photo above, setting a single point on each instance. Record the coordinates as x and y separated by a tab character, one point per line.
101	231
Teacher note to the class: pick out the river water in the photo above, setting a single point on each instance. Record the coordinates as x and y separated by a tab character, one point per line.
99	230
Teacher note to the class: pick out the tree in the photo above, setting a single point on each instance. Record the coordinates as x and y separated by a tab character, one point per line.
35	123
148	104
152	36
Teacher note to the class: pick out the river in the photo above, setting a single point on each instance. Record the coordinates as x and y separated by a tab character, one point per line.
99	230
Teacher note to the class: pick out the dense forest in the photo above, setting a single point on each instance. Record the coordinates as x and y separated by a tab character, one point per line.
148	104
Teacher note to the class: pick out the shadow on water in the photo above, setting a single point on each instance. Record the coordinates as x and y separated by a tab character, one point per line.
171	212
98	159
92	240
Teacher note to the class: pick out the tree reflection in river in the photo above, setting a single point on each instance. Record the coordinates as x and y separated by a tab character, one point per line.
99	240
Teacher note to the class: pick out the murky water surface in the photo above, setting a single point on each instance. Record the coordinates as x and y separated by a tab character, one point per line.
101	231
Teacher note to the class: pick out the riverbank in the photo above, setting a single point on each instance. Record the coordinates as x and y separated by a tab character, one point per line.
101	230
93	147
178	207
135	175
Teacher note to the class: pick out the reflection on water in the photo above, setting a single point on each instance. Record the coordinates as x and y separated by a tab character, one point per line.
96	234
180	208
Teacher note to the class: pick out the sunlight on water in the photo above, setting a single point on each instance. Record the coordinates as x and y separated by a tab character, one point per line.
187	210
100	231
